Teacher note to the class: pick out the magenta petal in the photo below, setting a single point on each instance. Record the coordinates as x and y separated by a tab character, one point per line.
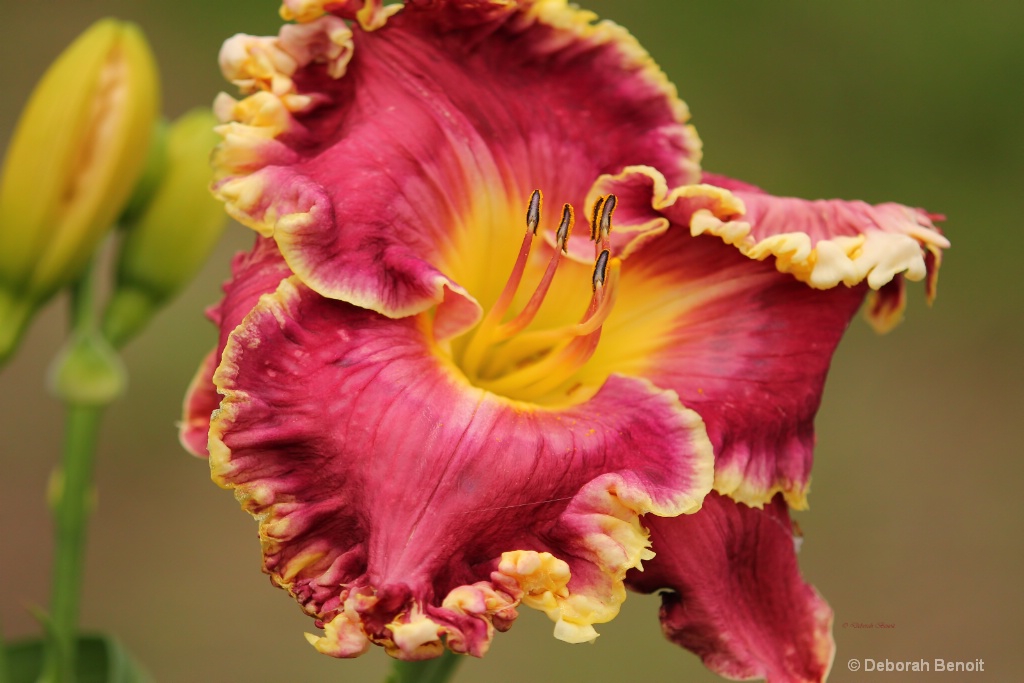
830	241
735	596
822	243
254	274
371	14
741	337
444	121
747	347
401	505
201	399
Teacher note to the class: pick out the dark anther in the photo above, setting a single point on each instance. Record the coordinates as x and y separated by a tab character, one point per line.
595	218
564	227
600	269
606	215
533	213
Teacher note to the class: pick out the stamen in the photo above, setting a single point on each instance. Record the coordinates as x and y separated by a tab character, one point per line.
600	270
578	344
502	358
533	212
601	223
529	312
482	338
595	219
606	216
564	228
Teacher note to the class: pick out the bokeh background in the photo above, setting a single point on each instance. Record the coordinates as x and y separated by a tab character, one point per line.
916	514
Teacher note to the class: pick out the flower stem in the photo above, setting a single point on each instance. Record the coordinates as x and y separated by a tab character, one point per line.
86	376
72	515
437	670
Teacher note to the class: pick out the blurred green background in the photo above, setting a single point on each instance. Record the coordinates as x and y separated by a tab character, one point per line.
916	513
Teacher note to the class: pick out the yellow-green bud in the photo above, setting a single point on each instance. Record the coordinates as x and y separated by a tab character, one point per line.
173	233
152	174
75	157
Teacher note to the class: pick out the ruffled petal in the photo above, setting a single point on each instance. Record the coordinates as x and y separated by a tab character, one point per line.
745	346
823	243
253	274
743	342
201	399
831	241
371	14
401	506
428	136
735	596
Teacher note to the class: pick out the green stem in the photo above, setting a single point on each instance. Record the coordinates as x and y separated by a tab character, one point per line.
87	376
72	516
437	670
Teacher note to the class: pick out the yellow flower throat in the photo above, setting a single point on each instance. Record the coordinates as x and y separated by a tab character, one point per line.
510	352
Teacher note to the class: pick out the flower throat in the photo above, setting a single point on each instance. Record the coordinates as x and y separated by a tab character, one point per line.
541	365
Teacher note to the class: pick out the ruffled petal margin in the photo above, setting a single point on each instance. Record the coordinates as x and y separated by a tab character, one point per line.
823	243
201	399
431	132
254	274
744	345
734	594
371	14
401	506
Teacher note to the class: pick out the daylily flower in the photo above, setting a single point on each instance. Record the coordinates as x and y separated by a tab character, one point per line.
441	401
78	150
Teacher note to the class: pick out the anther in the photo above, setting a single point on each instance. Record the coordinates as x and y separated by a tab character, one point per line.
595	219
564	228
606	216
533	212
600	269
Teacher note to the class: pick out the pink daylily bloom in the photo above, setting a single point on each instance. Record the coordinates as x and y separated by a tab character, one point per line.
440	401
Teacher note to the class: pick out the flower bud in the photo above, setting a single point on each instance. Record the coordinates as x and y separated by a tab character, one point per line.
74	159
169	238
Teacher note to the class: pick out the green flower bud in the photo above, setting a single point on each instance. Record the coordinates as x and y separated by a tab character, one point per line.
74	159
152	174
173	233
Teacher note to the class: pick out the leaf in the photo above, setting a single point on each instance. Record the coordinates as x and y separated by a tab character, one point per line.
101	659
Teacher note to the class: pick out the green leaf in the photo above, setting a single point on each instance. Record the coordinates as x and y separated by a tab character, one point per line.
101	659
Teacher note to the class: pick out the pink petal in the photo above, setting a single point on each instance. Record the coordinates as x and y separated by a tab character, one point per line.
823	243
201	399
254	274
827	242
443	122
371	14
398	504
745	346
734	593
